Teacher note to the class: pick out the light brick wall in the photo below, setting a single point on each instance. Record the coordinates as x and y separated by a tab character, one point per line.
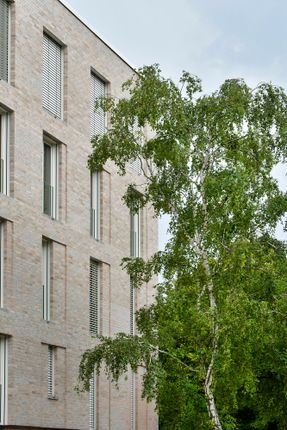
72	246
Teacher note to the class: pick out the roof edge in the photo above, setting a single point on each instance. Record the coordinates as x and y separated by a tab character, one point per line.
66	5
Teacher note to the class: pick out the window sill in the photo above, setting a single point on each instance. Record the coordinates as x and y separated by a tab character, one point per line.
53	398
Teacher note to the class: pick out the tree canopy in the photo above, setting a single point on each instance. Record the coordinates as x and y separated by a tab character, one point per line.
213	343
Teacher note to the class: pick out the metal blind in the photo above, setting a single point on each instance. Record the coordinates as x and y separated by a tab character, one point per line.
3	379
98	117
52	76
94	297
92	403
133	401
4	40
132	308
51	371
135	165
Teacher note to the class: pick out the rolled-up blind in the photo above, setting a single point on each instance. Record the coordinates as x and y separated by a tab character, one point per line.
98	120
52	76
4	40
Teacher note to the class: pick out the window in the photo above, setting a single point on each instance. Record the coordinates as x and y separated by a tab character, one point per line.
94	297
4	152
50	201
136	164
51	371
95	204
98	117
1	262
3	379
133	401
135	234
93	403
46	276
4	40
52	76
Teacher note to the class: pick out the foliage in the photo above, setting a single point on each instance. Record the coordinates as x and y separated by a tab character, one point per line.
213	345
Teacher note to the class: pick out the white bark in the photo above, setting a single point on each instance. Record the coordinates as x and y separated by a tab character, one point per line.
208	388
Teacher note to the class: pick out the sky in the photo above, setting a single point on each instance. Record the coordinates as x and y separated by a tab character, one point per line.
213	39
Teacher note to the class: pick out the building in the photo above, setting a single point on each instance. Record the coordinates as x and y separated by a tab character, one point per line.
63	233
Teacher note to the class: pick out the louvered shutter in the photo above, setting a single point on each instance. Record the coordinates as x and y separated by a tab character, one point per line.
94	297
133	401
3	378
136	165
98	118
132	307
51	370
4	40
92	403
52	76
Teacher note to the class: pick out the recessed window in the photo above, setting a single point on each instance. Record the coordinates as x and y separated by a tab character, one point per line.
135	234
4	152
3	379
93	403
94	297
46	279
98	117
52	76
95	205
4	39
50	176
1	263
51	371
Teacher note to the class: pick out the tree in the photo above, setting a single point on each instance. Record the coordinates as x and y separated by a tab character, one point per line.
215	338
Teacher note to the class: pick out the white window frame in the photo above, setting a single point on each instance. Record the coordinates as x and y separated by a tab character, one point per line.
47	39
96	205
46	280
51	371
54	175
8	41
94	297
4	155
95	115
3	380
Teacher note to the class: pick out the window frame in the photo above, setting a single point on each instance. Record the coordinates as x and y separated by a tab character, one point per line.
96	187
54	175
46	279
8	65
95	76
95	299
3	379
4	151
51	372
1	264
51	38
135	234
93	407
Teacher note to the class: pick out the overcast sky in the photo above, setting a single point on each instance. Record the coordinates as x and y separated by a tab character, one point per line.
214	39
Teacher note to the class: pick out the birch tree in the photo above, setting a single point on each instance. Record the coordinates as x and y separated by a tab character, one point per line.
216	329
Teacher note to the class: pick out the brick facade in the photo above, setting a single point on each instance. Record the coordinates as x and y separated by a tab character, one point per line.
25	226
